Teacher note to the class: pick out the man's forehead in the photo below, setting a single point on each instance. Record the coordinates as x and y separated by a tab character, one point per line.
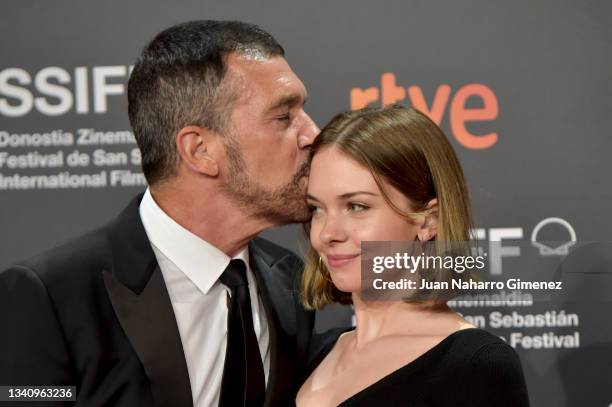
272	76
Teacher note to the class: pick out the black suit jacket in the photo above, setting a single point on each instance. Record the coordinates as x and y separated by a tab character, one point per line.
95	314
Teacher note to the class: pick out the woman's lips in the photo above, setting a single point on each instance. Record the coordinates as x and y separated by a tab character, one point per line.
339	260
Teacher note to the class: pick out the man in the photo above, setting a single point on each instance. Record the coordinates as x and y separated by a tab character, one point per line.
175	302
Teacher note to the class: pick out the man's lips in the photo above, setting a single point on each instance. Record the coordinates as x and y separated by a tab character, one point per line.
338	260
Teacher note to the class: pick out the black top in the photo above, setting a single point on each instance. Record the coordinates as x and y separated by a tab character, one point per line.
470	367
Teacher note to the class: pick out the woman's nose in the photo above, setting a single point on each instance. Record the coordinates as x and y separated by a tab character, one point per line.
333	230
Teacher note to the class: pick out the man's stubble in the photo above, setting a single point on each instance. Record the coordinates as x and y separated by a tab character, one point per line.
279	206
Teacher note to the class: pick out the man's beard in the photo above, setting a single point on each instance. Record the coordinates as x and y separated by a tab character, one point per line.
280	206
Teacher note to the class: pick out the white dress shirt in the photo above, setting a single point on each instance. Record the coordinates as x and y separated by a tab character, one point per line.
191	268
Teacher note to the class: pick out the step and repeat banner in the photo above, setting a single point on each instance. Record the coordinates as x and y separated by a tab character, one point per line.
522	90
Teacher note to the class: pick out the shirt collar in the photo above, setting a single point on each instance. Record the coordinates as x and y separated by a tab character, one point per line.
200	261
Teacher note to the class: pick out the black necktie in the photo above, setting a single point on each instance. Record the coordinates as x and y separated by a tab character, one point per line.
244	382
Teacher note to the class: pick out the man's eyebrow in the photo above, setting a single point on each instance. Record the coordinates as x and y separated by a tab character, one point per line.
289	100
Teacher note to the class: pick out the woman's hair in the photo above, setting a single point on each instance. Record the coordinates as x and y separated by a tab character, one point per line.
403	147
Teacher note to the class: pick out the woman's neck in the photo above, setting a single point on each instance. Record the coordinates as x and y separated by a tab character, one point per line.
375	319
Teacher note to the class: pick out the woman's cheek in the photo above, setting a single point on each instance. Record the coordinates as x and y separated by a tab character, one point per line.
367	230
315	230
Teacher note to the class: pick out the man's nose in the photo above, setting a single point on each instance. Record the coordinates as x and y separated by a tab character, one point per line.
308	132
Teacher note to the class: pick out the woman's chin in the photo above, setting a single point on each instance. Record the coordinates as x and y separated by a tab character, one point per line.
351	287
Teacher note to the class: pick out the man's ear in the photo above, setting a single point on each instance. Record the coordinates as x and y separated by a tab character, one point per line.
197	148
429	227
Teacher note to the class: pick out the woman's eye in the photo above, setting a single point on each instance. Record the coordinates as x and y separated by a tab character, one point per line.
357	207
314	210
284	118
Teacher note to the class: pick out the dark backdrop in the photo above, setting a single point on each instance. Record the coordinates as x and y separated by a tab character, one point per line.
521	88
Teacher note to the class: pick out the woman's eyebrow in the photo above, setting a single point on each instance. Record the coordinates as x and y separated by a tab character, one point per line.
347	195
352	194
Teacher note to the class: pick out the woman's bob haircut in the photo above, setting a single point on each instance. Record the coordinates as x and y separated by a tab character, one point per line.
403	148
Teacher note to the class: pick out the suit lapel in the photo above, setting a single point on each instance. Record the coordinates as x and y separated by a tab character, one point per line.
138	294
280	312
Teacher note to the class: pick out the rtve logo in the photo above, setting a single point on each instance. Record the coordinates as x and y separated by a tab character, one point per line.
389	93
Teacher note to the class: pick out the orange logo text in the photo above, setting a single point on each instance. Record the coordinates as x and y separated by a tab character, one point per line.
459	114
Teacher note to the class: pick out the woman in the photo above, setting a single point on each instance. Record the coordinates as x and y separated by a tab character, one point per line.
390	174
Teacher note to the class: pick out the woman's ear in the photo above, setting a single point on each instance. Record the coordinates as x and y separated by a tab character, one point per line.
195	146
429	228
